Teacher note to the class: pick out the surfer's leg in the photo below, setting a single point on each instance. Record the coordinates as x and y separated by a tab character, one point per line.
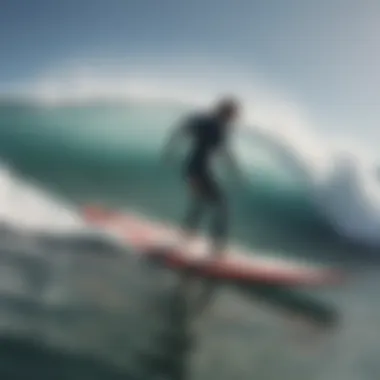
219	222
220	227
218	232
193	214
189	227
195	210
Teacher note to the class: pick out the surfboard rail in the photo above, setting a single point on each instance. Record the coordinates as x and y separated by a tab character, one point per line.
154	239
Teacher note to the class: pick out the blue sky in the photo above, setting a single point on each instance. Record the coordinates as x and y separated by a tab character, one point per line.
322	53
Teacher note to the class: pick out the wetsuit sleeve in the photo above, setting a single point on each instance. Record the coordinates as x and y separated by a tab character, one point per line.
183	128
189	124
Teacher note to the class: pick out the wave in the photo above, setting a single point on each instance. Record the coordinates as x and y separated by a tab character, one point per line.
24	205
286	188
346	196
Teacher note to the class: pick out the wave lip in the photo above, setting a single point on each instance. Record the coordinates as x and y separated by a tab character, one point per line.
285	180
349	199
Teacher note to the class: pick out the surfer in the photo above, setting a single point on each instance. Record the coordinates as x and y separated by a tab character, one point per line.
209	133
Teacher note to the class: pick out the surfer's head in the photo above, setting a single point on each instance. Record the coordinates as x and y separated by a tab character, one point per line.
227	109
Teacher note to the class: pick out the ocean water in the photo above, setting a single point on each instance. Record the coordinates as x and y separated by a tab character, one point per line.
77	305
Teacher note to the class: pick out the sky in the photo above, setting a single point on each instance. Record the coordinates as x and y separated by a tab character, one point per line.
322	55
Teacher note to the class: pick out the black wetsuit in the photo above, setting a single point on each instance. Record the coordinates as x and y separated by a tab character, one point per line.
208	135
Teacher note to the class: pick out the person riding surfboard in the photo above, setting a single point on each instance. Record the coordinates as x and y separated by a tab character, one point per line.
209	133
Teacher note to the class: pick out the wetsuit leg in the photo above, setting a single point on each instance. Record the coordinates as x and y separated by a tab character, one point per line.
219	229
193	214
205	190
219	222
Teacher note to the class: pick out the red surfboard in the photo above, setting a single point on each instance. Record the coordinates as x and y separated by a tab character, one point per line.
152	238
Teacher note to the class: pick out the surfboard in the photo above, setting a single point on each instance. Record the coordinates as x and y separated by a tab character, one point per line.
157	240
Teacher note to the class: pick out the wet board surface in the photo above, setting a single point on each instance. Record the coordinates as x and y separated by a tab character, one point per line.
155	239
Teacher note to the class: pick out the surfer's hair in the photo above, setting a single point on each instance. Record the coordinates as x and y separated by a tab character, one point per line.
227	105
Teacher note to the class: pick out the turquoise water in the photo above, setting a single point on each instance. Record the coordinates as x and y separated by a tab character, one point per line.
111	155
80	304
